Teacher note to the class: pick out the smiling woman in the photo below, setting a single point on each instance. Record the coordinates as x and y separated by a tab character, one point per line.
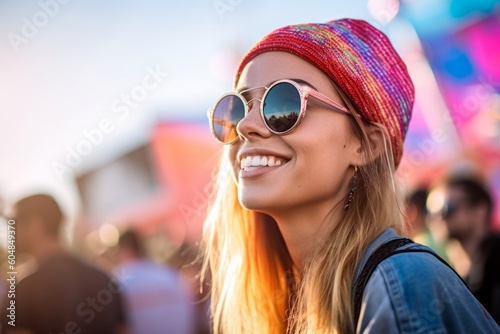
313	134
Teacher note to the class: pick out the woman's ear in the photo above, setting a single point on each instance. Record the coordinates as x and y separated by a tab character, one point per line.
372	146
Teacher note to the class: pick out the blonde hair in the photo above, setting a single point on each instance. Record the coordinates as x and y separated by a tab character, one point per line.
254	285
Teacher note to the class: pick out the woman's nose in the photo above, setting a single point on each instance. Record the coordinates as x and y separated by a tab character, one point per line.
252	125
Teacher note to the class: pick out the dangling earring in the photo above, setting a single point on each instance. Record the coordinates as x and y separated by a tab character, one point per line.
352	189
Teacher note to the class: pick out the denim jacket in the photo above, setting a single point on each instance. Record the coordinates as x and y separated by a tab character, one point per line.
416	293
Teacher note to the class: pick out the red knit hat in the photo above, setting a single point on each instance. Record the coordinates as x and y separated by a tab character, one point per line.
360	60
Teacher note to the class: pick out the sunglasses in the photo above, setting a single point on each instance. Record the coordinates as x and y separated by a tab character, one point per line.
282	108
452	207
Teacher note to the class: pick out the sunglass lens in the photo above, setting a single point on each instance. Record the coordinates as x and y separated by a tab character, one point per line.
282	107
449	210
227	113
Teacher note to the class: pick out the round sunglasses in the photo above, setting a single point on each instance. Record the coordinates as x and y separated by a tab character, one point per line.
282	108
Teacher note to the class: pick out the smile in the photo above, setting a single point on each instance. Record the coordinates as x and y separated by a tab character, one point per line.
253	162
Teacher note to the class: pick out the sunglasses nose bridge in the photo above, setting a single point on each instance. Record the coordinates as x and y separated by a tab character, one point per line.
252	123
249	106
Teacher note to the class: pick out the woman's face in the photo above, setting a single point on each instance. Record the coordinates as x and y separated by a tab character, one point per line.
311	164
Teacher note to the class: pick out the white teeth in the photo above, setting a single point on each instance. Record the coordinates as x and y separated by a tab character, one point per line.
253	162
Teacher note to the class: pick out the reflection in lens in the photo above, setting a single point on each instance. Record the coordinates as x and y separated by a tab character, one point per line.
228	112
282	107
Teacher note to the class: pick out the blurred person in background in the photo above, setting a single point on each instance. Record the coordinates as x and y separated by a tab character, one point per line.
64	294
416	215
187	261
306	197
468	215
157	299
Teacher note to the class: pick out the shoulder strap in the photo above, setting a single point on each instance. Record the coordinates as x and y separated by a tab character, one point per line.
380	254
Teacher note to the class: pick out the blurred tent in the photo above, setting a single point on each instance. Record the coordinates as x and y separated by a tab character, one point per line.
186	156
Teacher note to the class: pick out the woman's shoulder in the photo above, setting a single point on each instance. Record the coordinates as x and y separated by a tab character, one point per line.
420	292
415	262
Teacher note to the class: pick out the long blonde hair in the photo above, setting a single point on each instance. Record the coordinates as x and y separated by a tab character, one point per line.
254	287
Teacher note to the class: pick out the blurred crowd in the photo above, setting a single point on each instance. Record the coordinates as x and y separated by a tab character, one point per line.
123	290
455	217
57	290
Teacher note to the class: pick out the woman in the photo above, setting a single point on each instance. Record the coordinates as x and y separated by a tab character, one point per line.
313	134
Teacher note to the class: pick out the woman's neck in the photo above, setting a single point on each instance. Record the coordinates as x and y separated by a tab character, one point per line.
303	230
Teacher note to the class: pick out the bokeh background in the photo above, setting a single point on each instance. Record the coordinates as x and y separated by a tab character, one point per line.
103	103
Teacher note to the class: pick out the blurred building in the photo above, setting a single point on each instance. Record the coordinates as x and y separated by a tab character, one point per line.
162	187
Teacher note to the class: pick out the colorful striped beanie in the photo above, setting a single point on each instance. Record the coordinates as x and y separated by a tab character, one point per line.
360	60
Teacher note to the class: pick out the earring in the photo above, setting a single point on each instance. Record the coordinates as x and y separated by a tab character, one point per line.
352	189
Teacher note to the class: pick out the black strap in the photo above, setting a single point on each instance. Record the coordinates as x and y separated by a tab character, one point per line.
380	254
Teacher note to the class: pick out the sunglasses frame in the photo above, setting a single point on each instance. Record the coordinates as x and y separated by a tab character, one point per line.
304	92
